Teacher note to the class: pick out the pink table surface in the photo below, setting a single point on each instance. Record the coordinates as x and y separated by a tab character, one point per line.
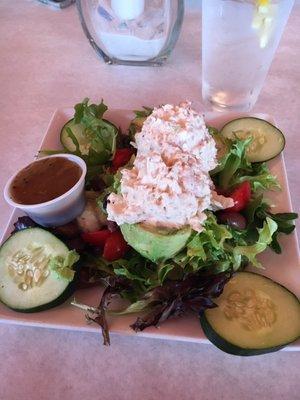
46	63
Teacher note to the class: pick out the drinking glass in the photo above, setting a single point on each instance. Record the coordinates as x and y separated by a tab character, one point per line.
239	40
132	32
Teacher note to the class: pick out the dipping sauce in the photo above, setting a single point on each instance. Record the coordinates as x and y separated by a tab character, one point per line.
44	180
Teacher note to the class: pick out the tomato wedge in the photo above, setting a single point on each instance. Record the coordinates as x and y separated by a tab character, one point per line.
115	246
241	196
122	156
112	243
97	238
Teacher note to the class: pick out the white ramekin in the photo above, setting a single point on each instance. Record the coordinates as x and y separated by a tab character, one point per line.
58	211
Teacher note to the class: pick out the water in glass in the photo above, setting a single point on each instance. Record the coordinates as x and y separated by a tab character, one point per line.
239	40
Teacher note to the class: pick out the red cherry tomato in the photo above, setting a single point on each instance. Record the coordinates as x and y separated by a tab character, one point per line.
97	238
121	158
241	196
115	246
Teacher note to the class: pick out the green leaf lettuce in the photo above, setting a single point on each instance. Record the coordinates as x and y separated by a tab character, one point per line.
62	266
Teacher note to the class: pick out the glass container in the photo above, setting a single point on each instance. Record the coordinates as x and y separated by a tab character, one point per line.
132	32
239	40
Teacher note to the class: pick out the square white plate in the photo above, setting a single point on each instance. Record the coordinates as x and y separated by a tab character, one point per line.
284	268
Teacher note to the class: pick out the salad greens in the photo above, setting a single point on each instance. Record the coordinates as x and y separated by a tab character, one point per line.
264	239
89	136
62	266
100	133
197	274
137	123
234	168
258	210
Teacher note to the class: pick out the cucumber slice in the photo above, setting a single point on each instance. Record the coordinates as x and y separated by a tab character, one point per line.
78	131
268	141
255	315
30	250
82	139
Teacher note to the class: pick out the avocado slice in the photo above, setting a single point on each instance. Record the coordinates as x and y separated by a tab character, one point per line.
156	244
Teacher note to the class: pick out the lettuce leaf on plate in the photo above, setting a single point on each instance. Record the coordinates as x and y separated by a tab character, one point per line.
258	210
100	133
62	266
234	168
99	138
137	123
265	237
207	249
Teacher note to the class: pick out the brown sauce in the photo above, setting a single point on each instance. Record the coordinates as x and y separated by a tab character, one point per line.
44	180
